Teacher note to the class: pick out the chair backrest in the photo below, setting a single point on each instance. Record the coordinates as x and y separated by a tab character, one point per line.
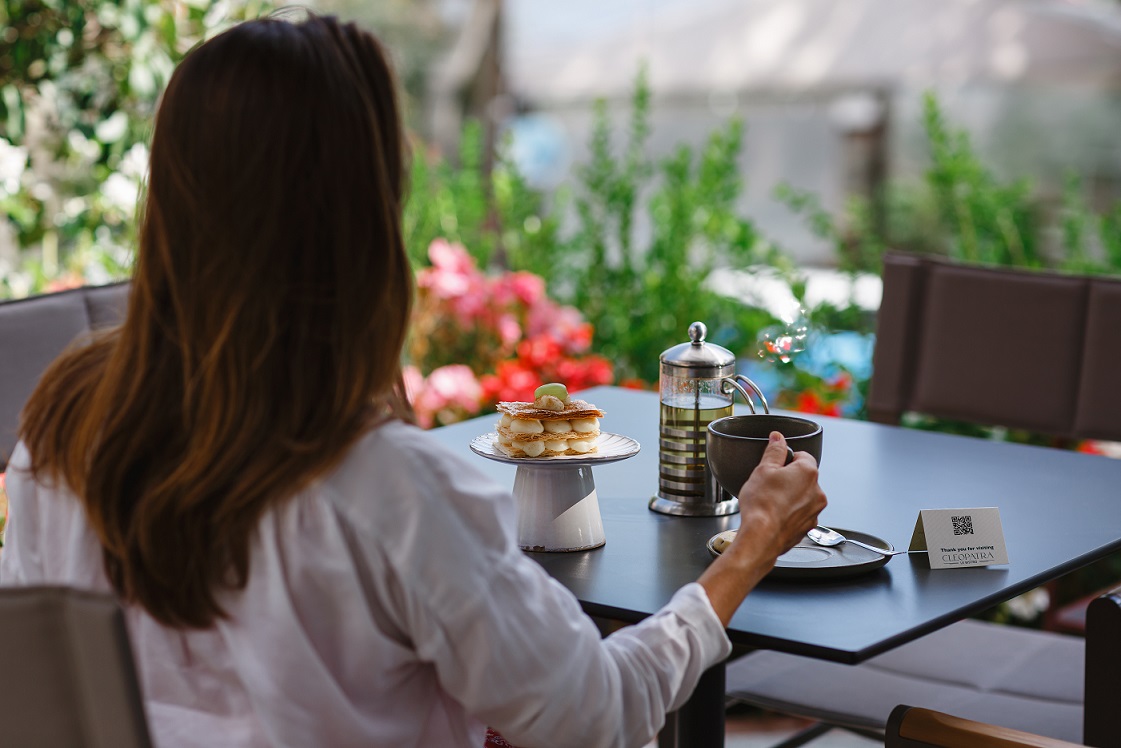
34	331
67	676
1024	349
913	727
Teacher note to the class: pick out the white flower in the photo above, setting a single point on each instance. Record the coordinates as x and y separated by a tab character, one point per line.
13	162
113	128
120	191
87	149
1029	605
134	163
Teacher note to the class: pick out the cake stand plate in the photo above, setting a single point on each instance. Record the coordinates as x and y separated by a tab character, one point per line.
558	510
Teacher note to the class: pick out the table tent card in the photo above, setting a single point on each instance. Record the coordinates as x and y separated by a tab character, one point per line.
960	537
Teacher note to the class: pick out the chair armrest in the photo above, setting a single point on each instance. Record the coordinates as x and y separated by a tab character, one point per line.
914	727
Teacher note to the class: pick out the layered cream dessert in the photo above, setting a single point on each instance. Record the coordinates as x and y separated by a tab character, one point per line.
552	425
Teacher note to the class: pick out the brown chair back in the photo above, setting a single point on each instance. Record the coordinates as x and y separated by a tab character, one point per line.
67	676
34	331
1024	349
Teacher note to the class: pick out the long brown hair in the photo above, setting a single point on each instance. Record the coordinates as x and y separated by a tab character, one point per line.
266	317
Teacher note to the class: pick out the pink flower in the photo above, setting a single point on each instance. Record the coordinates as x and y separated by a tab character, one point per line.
527	288
64	282
509	331
564	323
442	284
453	276
474	299
455	385
448	394
414	381
451	257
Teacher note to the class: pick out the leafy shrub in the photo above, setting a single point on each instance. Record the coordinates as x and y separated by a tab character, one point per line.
77	93
641	299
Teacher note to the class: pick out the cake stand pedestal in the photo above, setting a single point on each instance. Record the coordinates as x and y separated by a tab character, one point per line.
558	509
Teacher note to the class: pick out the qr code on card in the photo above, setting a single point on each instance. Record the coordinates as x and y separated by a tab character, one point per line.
962	525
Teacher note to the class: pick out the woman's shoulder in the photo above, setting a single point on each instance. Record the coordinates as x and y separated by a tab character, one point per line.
402	449
398	471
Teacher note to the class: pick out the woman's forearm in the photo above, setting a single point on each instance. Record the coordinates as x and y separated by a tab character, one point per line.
736	572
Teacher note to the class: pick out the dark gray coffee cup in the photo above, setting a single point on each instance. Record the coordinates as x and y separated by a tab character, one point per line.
735	444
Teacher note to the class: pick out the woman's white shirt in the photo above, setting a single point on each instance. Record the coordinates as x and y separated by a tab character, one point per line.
388	605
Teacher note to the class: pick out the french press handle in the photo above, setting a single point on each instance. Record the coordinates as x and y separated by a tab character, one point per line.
731	385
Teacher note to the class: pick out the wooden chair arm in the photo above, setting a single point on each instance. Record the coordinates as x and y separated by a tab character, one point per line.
914	727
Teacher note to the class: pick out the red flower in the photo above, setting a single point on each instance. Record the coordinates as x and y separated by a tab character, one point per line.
810	402
539	351
1090	448
841	383
512	380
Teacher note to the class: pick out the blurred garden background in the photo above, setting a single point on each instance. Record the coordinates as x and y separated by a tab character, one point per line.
590	178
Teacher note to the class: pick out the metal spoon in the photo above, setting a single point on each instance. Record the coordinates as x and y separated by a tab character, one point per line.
825	536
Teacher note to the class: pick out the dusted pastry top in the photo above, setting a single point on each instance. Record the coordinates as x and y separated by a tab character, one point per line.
542	429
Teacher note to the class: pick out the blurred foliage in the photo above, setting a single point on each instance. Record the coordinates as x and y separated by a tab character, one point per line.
493	213
639	299
633	243
962	210
417	37
983	219
79	80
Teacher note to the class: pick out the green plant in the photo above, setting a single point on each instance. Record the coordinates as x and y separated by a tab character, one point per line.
641	297
985	220
1091	242
490	210
78	86
962	210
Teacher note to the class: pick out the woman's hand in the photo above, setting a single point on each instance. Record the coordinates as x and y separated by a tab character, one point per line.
778	504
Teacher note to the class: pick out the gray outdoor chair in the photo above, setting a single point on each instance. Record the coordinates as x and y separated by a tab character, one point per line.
34	331
1051	685
915	727
67	677
1026	350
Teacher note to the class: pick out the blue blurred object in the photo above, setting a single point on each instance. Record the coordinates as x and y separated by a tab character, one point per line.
827	355
825	352
539	149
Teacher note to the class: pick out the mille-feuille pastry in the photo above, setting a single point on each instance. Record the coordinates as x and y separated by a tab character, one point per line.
551	426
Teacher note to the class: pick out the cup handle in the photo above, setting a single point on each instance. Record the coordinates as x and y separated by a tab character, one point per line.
789	456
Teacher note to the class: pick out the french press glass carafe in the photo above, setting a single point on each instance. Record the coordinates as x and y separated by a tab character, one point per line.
697	383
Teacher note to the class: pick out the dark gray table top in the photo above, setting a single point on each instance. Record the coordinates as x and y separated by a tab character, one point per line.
1060	510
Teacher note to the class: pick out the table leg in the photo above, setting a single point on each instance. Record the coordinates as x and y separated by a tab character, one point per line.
699	723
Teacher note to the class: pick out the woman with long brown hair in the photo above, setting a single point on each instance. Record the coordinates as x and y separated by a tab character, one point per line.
299	564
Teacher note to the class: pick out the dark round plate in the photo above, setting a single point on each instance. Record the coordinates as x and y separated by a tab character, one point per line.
808	560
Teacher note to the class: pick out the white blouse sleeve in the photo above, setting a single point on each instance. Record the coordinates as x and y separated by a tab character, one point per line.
509	642
20	561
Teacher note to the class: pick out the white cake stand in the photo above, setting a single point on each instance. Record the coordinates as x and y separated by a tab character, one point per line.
558	509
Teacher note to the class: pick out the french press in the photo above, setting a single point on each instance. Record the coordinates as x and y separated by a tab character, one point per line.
697	384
